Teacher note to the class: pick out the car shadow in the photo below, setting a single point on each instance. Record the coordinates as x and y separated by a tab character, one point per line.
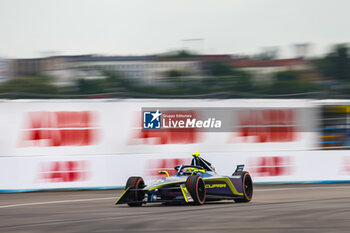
177	204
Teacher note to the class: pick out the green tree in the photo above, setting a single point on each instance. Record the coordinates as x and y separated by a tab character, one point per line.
29	87
286	76
218	69
336	64
291	82
175	73
179	54
113	82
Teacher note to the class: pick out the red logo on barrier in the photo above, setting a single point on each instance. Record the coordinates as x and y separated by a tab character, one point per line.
155	165
164	136
60	129
346	166
260	126
63	171
270	166
175	137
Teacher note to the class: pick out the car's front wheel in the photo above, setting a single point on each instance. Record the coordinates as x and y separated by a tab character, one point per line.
135	197
196	187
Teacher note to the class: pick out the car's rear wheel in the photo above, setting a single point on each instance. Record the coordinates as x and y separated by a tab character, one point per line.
196	187
247	188
135	197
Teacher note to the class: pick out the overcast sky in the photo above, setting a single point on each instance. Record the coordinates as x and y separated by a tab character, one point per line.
32	28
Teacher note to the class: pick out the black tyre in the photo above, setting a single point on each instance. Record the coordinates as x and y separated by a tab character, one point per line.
135	182
247	188
196	187
188	183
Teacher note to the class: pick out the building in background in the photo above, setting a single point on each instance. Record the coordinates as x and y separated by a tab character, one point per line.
65	70
263	70
148	70
35	66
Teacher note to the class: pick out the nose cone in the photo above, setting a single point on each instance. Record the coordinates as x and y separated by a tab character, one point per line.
171	180
156	183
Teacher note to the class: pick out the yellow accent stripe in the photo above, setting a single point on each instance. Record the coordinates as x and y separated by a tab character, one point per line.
228	182
164	172
121	195
183	193
197	170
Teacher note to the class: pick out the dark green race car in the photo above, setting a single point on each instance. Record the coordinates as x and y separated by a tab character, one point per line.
195	183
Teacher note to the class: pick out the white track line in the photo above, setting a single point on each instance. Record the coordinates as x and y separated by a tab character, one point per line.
109	198
57	202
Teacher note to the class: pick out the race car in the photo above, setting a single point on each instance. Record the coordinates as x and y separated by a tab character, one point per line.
195	184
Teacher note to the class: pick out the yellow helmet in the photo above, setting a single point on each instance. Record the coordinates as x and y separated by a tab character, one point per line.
195	154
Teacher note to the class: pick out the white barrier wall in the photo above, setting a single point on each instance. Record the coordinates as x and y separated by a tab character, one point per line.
110	171
99	144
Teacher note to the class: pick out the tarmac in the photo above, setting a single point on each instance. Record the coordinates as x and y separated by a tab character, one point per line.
274	208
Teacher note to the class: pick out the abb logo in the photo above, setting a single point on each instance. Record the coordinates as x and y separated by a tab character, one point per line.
270	166
168	137
59	129
261	126
155	165
164	136
63	171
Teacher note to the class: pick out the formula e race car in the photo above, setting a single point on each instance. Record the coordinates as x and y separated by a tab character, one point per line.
195	183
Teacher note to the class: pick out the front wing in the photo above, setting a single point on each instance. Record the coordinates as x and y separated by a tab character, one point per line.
164	194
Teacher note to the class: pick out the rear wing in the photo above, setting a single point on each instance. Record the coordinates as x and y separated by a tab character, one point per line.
238	170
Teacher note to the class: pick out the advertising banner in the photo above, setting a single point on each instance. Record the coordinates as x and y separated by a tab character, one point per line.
111	127
112	171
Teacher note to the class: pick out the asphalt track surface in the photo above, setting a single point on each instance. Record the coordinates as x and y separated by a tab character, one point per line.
278	208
